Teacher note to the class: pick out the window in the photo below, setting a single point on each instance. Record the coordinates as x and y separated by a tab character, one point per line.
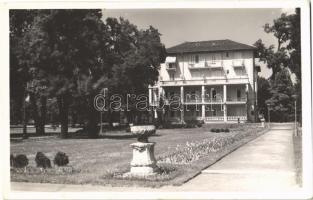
213	93
227	54
192	59
172	114
238	94
197	58
172	65
172	76
198	113
240	71
214	112
213	58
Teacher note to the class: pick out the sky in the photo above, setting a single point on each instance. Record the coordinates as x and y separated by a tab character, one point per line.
182	25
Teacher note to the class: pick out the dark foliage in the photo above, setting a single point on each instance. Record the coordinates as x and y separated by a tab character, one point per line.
42	160
61	159
20	161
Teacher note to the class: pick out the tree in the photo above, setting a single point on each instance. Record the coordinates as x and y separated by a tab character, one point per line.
65	47
264	94
294	45
287	31
20	23
137	55
281	101
272	59
280	29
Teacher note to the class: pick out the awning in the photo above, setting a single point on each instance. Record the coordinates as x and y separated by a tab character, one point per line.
170	60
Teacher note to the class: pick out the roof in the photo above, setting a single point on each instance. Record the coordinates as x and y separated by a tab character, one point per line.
209	46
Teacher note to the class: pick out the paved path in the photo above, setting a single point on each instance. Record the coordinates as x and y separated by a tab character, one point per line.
264	164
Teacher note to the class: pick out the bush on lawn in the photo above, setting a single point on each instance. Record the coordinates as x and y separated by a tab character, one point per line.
212	130
194	123
174	125
20	161
226	130
42	160
61	159
217	130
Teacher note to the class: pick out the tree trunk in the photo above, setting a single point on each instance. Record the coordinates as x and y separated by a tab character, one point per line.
63	104
33	101
25	119
92	119
42	118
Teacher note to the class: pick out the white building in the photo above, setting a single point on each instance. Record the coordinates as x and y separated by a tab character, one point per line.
212	80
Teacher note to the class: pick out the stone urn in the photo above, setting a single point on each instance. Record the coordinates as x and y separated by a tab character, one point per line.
143	162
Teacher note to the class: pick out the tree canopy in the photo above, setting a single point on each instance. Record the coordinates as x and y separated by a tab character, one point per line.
72	55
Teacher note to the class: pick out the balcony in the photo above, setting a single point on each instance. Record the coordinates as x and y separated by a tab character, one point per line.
214	118
171	66
238	63
236	100
193	100
207	81
206	65
215	64
213	100
235	118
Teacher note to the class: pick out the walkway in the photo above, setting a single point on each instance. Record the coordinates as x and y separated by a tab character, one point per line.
263	165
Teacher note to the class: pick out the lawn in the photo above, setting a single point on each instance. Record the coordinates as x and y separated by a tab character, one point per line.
97	160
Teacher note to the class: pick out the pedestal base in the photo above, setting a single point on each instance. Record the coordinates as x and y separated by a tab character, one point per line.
143	162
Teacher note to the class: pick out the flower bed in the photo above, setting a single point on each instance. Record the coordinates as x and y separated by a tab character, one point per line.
195	150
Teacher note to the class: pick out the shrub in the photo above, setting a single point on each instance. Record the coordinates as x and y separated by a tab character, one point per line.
213	130
226	130
217	130
12	159
20	161
61	159
42	160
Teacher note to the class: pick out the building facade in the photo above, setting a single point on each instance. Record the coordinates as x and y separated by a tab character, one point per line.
214	81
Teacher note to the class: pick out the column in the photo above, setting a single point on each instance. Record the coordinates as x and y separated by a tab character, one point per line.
224	100
182	104
203	106
150	96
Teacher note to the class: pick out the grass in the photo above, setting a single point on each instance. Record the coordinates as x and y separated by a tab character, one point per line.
102	161
297	145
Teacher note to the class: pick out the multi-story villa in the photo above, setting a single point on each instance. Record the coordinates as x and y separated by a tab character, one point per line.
213	80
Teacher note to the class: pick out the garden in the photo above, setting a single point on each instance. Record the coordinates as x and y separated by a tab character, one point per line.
181	154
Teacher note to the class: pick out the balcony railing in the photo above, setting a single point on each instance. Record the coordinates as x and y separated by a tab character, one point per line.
193	100
215	64
235	118
213	100
214	118
171	66
215	80
235	99
238	63
206	65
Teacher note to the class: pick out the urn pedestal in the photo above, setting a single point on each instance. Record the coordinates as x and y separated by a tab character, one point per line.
262	123
143	162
